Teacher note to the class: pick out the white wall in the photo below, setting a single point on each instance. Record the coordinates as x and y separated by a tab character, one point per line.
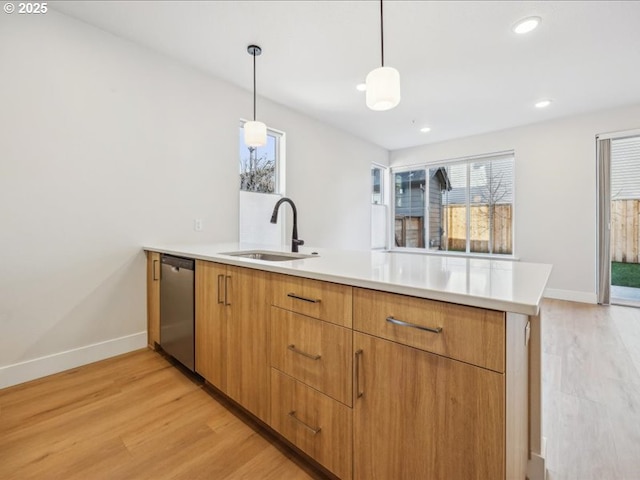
555	190
328	178
106	146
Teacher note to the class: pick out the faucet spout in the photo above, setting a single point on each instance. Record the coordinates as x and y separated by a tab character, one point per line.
294	235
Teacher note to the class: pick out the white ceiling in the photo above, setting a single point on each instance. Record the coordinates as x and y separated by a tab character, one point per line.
463	71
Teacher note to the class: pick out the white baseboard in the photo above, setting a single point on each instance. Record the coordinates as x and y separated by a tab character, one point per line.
571	295
59	362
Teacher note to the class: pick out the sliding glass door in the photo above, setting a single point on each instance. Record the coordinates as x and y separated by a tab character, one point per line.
619	219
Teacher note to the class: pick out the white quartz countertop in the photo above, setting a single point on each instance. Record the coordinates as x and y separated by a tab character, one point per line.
505	285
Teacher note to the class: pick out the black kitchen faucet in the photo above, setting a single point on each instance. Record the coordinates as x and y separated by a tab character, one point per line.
294	236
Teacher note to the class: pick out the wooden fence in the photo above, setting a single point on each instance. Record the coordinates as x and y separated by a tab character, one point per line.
625	231
456	228
409	231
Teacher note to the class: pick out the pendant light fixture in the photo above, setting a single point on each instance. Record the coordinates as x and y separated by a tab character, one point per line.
255	133
383	83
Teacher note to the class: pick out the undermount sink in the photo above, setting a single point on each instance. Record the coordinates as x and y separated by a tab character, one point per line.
268	255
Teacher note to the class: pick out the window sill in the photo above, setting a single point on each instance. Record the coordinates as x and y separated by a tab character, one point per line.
422	251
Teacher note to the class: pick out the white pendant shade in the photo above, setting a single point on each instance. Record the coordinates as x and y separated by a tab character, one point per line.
255	134
383	88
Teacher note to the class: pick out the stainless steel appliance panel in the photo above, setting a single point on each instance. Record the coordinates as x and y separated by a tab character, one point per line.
177	309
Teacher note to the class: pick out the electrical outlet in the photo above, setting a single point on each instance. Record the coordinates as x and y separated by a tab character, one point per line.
197	224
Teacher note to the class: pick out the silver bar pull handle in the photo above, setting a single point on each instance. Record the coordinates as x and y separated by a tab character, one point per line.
226	290
395	321
359	392
293	348
304	299
221	286
313	431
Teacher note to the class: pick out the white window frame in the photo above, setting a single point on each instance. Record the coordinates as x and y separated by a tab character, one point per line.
440	163
392	207
384	172
280	167
383	205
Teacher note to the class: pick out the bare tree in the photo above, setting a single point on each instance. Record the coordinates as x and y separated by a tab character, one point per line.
493	193
257	174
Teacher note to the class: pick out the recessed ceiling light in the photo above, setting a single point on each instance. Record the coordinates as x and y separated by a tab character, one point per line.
361	87
543	103
425	129
526	25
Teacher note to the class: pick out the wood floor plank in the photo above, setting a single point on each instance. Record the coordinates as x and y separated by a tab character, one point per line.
272	467
582	447
591	391
626	439
627	321
131	417
103	416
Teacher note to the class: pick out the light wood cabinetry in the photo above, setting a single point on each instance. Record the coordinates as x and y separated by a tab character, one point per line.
232	321
323	300
311	375
315	423
462	375
211	323
153	299
473	335
372	385
420	415
247	339
315	352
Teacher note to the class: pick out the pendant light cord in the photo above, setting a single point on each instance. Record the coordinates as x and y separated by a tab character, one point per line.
381	33
254	86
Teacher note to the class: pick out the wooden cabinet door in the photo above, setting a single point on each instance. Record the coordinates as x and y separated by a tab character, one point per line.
210	327
247	339
153	299
421	415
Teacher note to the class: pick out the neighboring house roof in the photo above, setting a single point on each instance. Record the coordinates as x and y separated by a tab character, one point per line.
625	168
443	178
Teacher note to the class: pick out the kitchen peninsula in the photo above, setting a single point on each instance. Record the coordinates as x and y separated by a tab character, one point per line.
375	364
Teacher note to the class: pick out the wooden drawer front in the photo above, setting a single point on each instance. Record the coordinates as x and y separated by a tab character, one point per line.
315	352
328	301
470	334
315	423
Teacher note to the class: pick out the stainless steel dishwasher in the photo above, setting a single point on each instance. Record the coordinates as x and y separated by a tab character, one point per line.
177	299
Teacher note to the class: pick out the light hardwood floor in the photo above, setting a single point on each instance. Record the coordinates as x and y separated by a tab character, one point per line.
136	416
591	391
131	417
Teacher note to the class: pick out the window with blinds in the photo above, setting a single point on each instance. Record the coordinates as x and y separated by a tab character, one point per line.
625	168
458	206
